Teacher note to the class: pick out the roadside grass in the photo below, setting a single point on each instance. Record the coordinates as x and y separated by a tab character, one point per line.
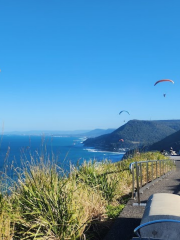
42	202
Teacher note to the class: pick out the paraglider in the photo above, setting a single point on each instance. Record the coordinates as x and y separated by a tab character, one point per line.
121	140
124	111
164	80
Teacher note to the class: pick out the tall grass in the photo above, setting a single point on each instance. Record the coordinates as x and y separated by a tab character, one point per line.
48	204
42	202
98	178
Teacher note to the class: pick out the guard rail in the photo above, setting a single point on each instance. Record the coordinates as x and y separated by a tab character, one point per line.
144	172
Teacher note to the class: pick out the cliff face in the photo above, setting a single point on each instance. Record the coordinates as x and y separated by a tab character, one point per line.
134	134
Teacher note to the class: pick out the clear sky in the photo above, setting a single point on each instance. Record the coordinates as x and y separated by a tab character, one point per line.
75	64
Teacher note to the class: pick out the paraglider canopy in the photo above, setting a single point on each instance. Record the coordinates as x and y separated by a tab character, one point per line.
124	111
163	80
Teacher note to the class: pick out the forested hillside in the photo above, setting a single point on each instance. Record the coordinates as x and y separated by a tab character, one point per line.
165	144
134	133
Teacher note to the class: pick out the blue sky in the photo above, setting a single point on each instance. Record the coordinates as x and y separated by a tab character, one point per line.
75	64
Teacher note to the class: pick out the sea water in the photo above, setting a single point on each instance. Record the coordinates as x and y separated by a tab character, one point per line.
65	150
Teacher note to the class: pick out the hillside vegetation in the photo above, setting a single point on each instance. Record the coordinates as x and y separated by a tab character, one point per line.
135	133
165	144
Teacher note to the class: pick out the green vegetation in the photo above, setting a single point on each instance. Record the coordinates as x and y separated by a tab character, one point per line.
44	203
114	211
172	140
135	133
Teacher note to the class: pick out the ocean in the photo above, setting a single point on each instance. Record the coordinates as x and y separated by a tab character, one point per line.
66	150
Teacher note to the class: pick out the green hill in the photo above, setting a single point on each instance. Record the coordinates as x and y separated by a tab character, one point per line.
165	144
135	133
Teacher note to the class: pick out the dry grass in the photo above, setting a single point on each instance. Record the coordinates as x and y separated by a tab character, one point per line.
44	203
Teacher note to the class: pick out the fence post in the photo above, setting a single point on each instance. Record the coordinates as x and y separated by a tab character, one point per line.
140	174
132	181
137	182
163	168
160	167
152	171
156	169
146	172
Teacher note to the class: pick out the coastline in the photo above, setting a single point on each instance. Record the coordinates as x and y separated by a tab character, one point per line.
65	149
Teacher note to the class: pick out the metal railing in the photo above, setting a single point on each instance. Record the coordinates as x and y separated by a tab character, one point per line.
144	172
153	222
